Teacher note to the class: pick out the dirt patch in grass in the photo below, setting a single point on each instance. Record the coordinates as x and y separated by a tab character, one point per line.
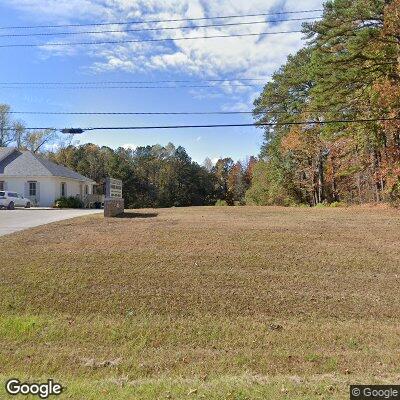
205	294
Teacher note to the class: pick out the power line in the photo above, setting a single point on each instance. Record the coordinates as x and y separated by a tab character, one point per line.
260	124
134	82
13	35
241	125
177	112
144	40
159	21
132	113
132	87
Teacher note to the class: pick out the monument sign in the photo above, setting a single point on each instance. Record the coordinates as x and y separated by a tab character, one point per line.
114	202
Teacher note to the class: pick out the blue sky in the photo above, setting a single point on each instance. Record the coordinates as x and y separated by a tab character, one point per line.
231	58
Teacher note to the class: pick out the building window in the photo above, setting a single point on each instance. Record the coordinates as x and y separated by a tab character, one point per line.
63	189
86	189
2	185
32	189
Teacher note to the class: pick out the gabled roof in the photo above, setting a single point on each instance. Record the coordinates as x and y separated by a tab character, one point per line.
5	152
21	163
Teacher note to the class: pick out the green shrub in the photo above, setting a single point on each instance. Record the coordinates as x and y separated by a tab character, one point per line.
268	187
68	202
337	204
221	203
302	205
288	202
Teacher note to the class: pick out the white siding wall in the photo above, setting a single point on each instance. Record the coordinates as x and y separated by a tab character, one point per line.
49	187
73	187
45	188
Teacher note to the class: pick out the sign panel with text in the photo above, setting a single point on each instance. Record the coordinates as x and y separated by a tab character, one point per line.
113	188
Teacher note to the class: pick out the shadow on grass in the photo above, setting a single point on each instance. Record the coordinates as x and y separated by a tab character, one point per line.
137	215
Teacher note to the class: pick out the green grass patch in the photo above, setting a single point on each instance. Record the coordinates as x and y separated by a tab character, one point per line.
19	327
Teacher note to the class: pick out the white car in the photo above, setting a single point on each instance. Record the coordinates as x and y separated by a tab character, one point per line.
10	200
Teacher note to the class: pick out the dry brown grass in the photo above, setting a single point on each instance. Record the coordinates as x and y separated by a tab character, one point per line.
306	299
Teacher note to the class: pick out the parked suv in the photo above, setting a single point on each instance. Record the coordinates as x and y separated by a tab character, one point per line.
10	200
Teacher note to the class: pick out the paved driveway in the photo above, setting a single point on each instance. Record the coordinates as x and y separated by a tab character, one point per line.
18	220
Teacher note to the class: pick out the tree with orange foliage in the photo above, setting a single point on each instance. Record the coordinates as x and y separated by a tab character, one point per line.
349	70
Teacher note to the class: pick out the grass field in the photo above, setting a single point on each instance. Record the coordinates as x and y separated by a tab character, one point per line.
204	303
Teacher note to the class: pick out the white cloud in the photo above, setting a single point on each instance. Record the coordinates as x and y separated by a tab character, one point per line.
241	56
61	11
129	146
241	103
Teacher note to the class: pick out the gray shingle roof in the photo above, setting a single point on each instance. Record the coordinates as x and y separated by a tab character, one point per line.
15	162
5	151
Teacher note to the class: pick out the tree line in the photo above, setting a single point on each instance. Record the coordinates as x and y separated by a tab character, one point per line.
348	71
161	176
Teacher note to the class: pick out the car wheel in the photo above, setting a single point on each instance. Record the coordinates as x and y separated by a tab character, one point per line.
28	205
11	205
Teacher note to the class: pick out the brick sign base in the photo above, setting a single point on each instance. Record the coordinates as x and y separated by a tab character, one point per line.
113	207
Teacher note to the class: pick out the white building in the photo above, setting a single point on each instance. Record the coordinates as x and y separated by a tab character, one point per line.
39	179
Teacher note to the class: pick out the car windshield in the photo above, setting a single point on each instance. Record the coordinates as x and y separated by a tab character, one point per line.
2	194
